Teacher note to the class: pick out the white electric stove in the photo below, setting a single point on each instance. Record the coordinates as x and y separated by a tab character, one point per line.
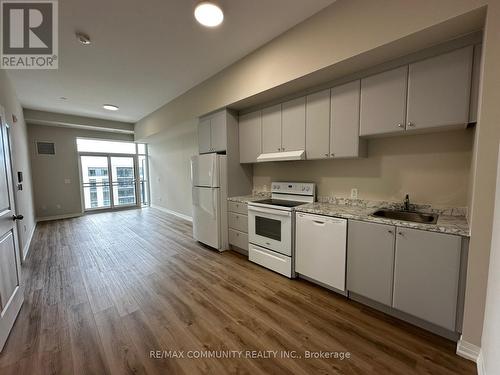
271	225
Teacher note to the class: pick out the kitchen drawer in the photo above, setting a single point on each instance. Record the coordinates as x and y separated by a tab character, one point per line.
274	261
238	222
237	207
238	238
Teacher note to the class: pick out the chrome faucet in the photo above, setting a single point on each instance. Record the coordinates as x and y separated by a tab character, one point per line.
406	203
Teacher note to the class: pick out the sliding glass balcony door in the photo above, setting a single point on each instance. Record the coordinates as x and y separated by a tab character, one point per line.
123	181
114	174
95	182
108	181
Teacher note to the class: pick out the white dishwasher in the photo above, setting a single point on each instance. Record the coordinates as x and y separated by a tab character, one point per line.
320	251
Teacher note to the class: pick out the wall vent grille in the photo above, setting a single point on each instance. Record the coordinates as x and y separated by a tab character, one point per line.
45	148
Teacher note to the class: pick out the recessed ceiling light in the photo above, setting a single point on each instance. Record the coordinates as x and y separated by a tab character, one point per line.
110	107
83	38
208	14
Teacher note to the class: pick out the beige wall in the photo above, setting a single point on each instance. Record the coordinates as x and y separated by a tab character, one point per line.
169	155
50	171
483	196
330	38
354	33
491	331
432	168
20	159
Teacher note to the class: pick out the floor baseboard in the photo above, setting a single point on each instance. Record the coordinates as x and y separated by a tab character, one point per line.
27	245
167	211
468	351
58	217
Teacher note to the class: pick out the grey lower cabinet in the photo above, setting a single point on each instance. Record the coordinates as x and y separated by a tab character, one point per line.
413	271
238	226
426	275
370	260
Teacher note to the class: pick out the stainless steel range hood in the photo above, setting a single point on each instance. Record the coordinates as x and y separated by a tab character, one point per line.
282	156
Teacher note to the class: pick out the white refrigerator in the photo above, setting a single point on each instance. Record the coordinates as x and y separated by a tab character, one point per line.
209	188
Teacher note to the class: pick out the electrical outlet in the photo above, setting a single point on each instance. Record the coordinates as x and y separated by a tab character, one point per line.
354	193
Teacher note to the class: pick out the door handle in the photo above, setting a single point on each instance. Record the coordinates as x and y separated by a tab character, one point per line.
17	217
319	222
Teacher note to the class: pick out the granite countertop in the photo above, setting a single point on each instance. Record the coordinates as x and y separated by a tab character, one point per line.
446	223
249	198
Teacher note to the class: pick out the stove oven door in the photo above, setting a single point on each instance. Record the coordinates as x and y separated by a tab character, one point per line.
270	228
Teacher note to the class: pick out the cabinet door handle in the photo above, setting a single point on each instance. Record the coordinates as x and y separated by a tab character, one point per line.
400	125
319	222
279	148
326	154
332	155
411	124
400	233
390	231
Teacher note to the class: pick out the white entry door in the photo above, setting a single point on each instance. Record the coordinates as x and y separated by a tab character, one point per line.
11	292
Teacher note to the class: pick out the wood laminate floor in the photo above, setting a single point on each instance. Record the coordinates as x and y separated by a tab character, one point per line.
103	291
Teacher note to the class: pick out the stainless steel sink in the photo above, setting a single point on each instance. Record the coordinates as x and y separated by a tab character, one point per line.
415	217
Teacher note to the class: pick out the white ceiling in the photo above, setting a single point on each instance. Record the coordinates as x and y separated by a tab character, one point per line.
146	53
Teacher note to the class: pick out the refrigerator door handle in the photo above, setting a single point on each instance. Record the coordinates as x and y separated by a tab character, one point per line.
214	159
214	213
192	174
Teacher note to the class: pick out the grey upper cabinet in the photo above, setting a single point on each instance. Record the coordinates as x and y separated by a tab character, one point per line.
426	275
212	133
439	90
218	131
383	102
204	141
318	125
344	130
271	129
293	128
250	136
370	260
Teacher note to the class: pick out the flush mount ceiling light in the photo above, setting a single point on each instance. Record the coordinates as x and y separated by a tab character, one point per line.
110	107
83	38
208	14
